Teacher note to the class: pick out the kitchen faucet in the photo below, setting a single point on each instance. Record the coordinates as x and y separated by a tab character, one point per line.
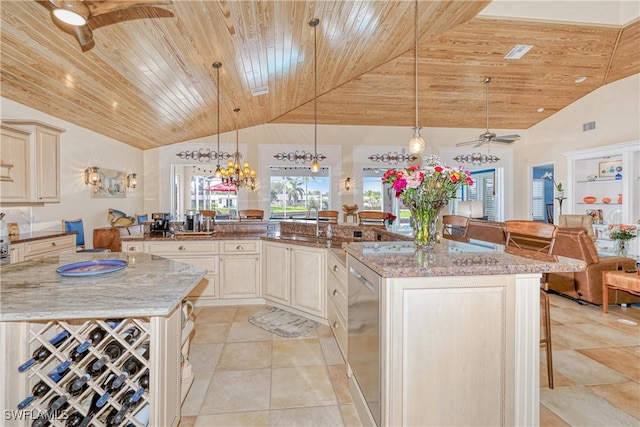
317	219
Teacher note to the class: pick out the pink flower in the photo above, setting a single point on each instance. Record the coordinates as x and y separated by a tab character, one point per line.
399	185
414	179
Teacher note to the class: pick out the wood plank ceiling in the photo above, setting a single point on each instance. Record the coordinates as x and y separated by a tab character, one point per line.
148	81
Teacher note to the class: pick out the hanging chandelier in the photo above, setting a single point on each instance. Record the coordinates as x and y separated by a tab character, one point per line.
235	175
315	165
416	144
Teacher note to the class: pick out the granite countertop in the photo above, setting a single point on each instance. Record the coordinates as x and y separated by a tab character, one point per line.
451	258
148	286
35	235
194	236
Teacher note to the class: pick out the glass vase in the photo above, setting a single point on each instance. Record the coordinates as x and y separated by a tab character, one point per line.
621	247
424	221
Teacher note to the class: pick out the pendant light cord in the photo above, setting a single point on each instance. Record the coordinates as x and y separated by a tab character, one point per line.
416	59
315	91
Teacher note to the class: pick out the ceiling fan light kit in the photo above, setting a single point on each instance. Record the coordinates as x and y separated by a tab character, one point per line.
74	13
416	143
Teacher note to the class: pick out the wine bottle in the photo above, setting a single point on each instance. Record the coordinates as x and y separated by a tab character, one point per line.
113	350
74	419
96	335
111	386
78	353
60	371
129	367
143	350
39	389
57	404
78	385
93	409
144	380
130	335
96	367
42	352
129	401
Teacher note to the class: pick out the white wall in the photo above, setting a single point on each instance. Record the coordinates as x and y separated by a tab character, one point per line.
79	148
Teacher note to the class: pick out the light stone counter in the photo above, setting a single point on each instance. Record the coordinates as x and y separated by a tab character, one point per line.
148	286
452	258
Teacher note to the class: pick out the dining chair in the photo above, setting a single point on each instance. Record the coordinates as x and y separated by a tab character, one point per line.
454	227
249	214
77	226
537	237
140	218
371	218
328	216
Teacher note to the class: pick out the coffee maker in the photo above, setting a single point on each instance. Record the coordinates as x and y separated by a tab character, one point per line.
192	221
160	224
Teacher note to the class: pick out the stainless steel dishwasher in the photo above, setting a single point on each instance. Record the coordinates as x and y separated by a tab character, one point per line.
364	332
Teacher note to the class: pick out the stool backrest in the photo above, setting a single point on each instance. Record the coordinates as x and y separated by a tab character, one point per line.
531	235
77	226
455	227
246	214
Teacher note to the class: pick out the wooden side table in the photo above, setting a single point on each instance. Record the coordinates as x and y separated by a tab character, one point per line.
618	280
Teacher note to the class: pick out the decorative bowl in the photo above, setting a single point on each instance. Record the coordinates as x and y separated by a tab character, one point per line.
606	200
589	199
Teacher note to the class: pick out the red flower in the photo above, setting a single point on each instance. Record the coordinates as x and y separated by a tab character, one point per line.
438	169
390	216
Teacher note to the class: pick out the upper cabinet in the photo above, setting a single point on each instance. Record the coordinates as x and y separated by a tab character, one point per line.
30	162
607	180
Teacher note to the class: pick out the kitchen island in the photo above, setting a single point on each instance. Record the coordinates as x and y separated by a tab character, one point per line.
449	337
135	310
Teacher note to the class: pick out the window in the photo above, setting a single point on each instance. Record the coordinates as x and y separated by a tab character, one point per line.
294	190
537	198
483	189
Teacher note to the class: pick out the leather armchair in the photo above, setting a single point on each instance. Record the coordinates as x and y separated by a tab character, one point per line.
586	285
583	221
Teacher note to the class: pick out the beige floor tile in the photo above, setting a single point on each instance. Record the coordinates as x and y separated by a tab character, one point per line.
625	396
559	380
558	301
577	406
187	421
245	331
634	349
340	383
211	333
583	369
324	331
204	357
331	351
244	311
549	419
350	416
221	314
255	418
301	386
245	355
238	391
311	417
297	352
567	316
617	359
193	402
571	338
612	336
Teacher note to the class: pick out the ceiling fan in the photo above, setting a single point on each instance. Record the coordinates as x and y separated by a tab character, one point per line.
489	137
79	18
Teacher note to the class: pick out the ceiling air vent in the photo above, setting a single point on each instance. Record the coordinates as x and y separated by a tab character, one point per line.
518	51
260	91
588	126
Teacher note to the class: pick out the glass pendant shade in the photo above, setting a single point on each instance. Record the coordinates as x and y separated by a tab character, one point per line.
416	144
315	166
218	172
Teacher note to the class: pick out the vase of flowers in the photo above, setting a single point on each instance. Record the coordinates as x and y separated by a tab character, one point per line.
425	191
621	234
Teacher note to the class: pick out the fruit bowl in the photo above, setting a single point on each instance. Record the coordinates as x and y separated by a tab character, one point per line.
589	199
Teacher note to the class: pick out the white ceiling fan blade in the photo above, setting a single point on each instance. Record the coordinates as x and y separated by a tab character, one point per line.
475	141
506	139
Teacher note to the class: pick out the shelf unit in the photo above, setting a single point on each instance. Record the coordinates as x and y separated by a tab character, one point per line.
584	165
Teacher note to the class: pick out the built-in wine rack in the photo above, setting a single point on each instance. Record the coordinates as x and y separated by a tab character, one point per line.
83	381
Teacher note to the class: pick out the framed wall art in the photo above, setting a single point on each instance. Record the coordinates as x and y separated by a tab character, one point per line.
609	169
113	184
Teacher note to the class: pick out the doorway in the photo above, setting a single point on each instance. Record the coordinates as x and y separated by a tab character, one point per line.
542	209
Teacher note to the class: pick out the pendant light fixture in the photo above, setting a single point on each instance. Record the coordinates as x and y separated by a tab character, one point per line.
315	165
218	172
416	144
233	174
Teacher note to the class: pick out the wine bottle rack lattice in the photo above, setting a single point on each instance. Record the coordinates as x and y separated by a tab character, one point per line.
90	372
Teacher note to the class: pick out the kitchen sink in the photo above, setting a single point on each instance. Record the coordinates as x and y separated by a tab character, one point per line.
304	238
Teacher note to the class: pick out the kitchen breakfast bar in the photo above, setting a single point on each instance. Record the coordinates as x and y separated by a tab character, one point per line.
450	337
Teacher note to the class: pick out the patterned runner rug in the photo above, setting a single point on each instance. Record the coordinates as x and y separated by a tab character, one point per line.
282	322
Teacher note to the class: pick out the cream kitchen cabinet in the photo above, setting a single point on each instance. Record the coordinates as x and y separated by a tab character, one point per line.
31	249
337	300
239	269
199	253
295	277
30	160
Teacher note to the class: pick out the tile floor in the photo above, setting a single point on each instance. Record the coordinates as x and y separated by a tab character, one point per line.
245	376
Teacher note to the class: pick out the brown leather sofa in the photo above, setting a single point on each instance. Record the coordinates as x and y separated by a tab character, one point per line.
572	243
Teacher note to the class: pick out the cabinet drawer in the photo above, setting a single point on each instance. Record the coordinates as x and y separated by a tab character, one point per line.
58	244
338	327
133	247
337	294
336	267
209	262
240	247
203	247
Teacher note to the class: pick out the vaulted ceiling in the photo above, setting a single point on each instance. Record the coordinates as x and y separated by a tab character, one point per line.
148	81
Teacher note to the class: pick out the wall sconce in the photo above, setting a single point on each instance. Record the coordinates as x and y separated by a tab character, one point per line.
347	183
91	176
132	180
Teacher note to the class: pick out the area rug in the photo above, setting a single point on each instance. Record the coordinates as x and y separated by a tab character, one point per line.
282	322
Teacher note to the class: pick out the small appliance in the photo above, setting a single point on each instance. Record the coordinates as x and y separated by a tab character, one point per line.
192	221
160	224
4	252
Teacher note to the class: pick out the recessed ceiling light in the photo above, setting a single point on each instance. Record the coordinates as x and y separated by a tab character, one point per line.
518	51
540	110
581	79
260	91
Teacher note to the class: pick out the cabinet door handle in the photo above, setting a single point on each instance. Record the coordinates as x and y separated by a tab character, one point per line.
132	249
335	268
335	292
335	325
53	243
239	248
181	248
